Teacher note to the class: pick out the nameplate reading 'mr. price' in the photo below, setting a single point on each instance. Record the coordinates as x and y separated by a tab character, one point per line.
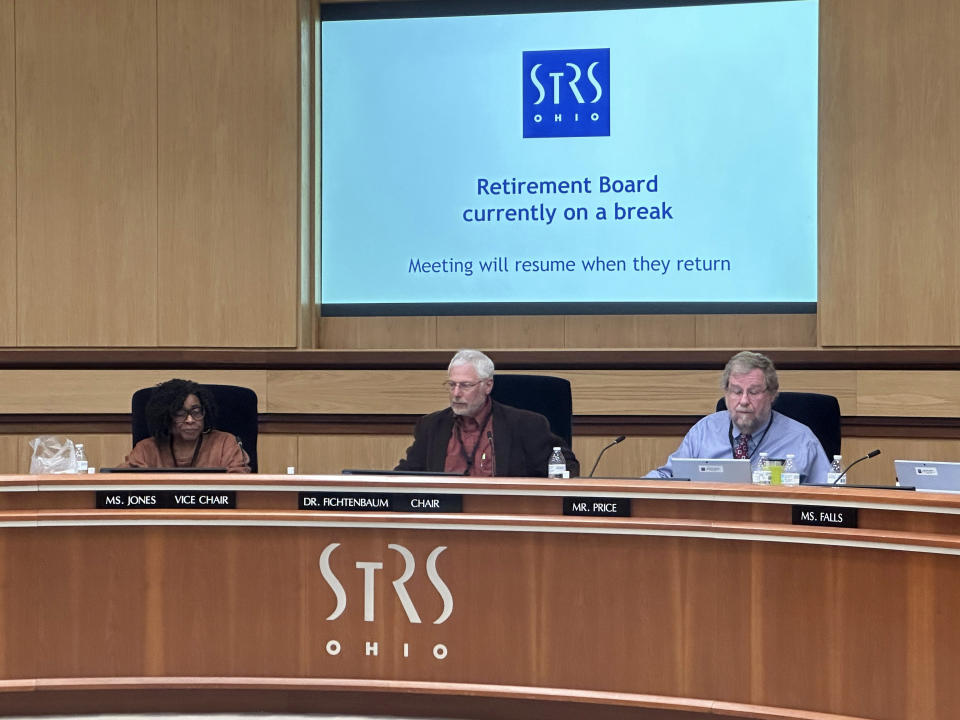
824	516
381	502
596	506
166	500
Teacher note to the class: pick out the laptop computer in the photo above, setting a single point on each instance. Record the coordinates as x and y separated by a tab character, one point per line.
725	470
929	475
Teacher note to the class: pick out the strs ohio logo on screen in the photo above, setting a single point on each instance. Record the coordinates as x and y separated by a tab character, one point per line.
566	93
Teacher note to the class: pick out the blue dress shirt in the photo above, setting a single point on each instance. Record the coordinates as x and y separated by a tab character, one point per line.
710	439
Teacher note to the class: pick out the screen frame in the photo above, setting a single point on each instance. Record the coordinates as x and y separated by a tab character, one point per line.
379	9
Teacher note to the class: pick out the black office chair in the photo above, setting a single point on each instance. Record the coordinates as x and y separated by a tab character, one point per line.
549	396
820	413
236	413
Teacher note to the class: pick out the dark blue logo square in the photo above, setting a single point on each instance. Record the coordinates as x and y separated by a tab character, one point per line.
566	93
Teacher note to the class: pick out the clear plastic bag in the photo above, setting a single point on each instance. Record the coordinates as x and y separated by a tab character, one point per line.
52	455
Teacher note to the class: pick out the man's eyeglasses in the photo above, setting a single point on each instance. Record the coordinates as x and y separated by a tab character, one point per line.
753	392
451	385
196	413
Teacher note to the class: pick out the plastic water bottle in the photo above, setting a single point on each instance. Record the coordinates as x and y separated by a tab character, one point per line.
81	456
836	467
789	475
557	466
761	476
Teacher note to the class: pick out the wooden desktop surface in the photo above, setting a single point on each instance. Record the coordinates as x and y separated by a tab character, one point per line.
706	602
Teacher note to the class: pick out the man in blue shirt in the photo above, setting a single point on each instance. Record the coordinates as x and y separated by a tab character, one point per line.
750	426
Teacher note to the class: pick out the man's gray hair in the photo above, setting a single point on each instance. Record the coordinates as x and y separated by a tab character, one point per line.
745	361
480	362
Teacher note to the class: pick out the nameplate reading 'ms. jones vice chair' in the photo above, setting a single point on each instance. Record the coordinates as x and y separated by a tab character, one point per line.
236	413
549	396
820	413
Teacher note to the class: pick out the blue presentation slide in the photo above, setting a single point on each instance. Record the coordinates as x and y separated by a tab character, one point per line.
631	156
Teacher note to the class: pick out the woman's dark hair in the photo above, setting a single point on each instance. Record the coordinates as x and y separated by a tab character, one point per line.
167	400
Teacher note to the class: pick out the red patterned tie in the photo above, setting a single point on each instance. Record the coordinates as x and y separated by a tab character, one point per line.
740	451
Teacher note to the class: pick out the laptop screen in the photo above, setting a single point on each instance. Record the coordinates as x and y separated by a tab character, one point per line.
929	475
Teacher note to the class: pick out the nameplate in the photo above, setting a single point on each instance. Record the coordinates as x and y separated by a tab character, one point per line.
824	516
596	506
166	499
380	502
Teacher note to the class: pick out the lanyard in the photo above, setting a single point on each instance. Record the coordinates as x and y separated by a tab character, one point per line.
196	452
750	456
470	457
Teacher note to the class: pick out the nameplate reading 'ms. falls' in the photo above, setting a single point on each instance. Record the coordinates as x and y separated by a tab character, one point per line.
825	516
381	502
166	499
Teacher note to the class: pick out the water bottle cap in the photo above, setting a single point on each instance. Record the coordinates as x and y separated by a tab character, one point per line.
556	449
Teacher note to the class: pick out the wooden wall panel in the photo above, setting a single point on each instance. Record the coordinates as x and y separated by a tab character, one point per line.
630	331
347	391
86	165
633	458
321	454
500	331
8	178
665	392
488	332
92	391
9	454
889	187
228	172
275	453
756	331
378	332
909	394
595	392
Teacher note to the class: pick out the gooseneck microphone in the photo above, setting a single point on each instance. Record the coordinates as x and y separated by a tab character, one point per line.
615	442
872	453
493	453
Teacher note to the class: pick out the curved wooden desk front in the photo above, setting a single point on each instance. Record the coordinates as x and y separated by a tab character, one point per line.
705	602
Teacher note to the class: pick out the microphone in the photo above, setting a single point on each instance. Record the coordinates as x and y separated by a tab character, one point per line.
493	452
872	453
615	442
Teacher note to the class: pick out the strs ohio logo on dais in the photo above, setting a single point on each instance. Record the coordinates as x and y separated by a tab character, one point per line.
566	93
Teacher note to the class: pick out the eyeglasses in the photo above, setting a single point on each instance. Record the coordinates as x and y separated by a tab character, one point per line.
451	385
753	392
196	413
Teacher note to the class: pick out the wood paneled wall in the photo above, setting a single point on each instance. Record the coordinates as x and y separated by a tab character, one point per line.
8	178
152	196
86	172
154	200
229	179
637	393
889	186
570	331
